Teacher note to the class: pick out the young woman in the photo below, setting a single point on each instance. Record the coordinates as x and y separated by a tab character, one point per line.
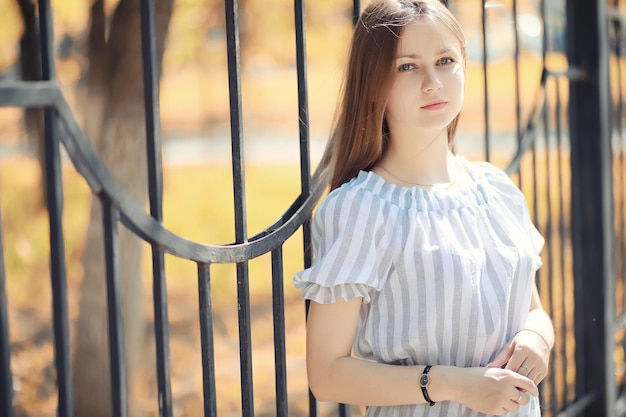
422	287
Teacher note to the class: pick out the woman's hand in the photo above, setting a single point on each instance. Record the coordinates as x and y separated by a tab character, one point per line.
494	390
527	354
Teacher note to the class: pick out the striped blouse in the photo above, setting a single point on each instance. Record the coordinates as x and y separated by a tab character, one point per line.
446	275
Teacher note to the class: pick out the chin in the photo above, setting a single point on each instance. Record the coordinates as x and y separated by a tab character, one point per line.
438	126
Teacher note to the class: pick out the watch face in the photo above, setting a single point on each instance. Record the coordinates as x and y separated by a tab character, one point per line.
424	379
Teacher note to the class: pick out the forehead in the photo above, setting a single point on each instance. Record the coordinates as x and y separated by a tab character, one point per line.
426	36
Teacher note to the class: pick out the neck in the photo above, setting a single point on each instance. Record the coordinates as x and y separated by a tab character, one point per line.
421	161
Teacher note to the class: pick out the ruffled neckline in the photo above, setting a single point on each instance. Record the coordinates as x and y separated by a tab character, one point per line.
432	199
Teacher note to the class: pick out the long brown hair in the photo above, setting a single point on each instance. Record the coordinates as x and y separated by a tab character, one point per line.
360	133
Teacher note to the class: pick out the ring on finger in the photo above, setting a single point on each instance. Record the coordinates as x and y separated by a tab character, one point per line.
519	397
524	367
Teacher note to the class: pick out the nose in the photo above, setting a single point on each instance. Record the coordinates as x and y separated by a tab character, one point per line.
431	81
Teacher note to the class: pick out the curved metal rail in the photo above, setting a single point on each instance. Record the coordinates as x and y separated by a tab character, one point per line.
135	217
528	134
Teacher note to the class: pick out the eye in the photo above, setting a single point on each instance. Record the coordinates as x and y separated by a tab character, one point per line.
406	67
446	61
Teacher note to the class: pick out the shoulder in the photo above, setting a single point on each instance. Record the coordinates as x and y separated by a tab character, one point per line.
494	176
349	199
498	185
350	209
489	171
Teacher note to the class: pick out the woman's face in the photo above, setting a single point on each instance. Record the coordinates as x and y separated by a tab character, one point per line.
428	80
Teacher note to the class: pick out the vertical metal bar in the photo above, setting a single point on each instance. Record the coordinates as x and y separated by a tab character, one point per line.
551	402
544	37
620	186
236	124
308	258
54	201
622	160
155	192
313	406
622	213
563	247
6	378
539	276
486	80
592	211
535	208
151	103
356	11
280	353
161	332
518	102
46	40
54	196
303	101
245	340
305	166
243	292
549	235
620	180
535	187
110	223
552	377
206	340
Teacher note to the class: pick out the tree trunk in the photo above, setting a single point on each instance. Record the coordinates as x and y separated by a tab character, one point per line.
120	140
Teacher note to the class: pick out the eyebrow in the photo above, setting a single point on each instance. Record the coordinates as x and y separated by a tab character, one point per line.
416	56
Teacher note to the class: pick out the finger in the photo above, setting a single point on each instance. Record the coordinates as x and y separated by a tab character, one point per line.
502	357
525	384
536	373
515	362
513	405
517	396
524	399
525	370
537	376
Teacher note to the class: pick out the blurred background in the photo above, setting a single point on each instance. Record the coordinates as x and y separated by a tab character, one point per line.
198	202
194	85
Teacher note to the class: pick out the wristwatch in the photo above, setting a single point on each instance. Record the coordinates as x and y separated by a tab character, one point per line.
424	382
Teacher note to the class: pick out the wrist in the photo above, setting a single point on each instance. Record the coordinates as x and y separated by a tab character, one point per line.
539	322
424	381
549	343
441	387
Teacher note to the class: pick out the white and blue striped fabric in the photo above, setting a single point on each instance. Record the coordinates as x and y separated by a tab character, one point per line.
446	275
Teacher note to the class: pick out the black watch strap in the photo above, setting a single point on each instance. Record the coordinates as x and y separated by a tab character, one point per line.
424	382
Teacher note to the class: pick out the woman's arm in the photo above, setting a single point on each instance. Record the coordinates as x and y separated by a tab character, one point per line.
539	321
334	375
528	352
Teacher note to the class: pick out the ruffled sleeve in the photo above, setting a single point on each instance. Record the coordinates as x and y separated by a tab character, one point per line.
514	201
350	249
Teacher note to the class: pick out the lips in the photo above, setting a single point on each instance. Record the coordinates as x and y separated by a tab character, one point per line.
435	105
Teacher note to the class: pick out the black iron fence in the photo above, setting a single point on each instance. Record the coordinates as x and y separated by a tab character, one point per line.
568	156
